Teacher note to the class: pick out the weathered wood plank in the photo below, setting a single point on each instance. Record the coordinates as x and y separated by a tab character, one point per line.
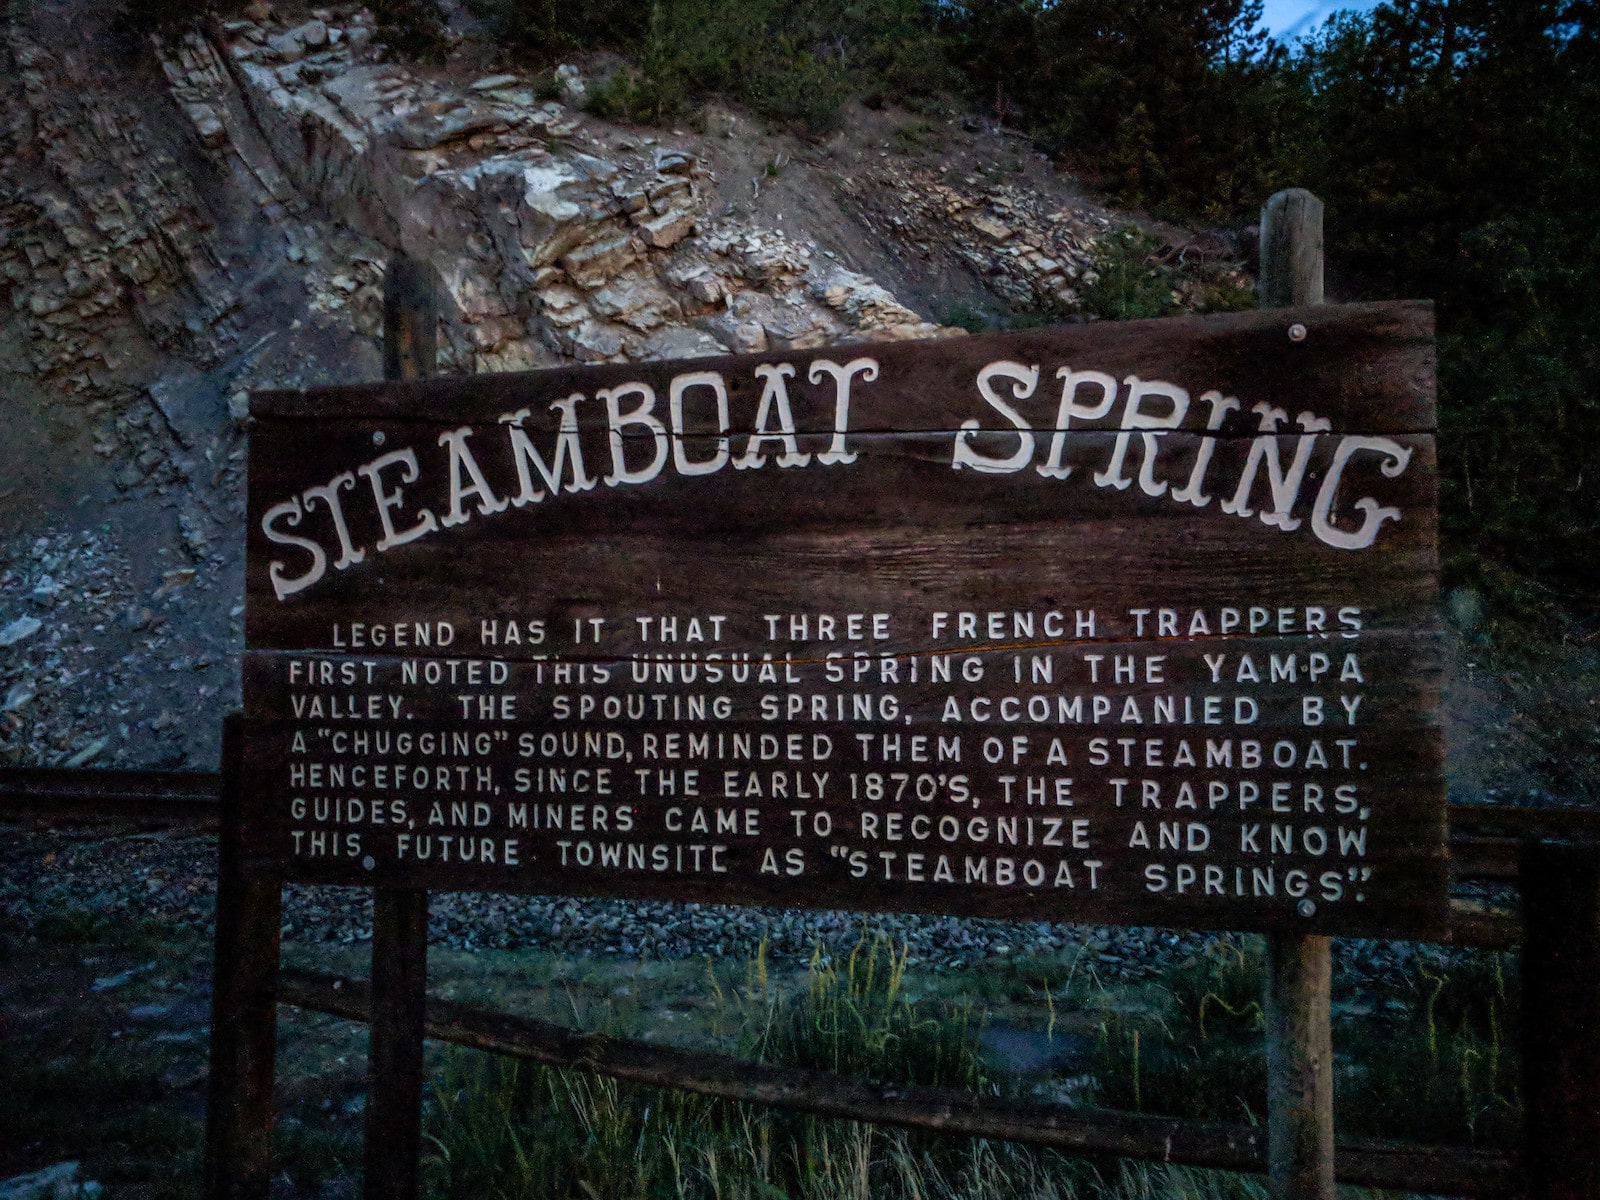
1299	965
244	1017
410	320
1168	749
956	515
393	1142
893	533
1300	1146
393	1134
1291	250
1396	673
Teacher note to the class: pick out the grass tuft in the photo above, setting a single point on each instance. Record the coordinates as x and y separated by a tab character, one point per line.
1128	282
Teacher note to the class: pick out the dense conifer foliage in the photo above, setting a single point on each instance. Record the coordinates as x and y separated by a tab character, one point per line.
1455	144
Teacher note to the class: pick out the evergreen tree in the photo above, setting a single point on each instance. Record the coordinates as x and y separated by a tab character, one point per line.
1459	158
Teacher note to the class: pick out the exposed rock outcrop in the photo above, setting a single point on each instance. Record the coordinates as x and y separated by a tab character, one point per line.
546	250
214	213
1030	253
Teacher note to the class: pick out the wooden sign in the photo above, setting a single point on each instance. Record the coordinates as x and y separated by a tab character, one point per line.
1129	623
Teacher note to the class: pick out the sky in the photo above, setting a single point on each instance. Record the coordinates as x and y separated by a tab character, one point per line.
1289	19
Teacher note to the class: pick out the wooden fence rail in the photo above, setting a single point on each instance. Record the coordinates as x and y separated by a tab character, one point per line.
65	794
1486	844
1454	1171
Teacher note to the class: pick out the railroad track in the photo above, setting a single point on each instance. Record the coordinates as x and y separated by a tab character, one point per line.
1485	841
65	795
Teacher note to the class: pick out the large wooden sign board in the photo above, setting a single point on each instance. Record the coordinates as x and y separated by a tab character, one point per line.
1130	623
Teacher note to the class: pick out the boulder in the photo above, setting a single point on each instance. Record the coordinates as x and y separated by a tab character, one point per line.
59	1182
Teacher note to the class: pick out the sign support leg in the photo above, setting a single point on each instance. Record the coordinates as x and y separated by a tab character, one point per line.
400	915
1299	1067
1291	249
394	1056
410	320
244	1008
1561	1019
1299	983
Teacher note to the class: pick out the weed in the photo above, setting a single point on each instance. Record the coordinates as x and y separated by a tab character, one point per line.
517	1132
1031	320
965	316
1127	282
1194	1048
136	19
510	1129
1222	294
413	28
1441	1073
792	63
916	137
157	1147
95	1091
310	1149
631	94
858	1021
70	926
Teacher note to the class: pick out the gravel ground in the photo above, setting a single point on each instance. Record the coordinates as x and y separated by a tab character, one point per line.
169	876
113	644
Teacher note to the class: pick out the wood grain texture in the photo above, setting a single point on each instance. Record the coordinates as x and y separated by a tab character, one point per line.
1299	972
1012	555
410	320
1291	250
393	1133
1393	758
244	1015
1300	1150
892	532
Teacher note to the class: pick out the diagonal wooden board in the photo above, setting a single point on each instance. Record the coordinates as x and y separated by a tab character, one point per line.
989	626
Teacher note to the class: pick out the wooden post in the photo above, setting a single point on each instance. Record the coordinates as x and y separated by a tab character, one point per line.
1291	249
1560	885
1300	966
244	1008
399	915
394	1054
1299	1067
410	320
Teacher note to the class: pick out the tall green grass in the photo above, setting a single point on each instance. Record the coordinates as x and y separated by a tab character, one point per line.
509	1131
1444	1067
855	1018
505	1129
1424	1060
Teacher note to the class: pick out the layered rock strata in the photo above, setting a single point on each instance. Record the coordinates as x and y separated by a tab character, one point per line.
546	250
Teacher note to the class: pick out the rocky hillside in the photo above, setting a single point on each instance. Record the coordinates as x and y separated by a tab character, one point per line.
209	210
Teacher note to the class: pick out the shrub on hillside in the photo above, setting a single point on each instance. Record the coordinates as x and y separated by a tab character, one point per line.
413	29
791	62
1129	283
